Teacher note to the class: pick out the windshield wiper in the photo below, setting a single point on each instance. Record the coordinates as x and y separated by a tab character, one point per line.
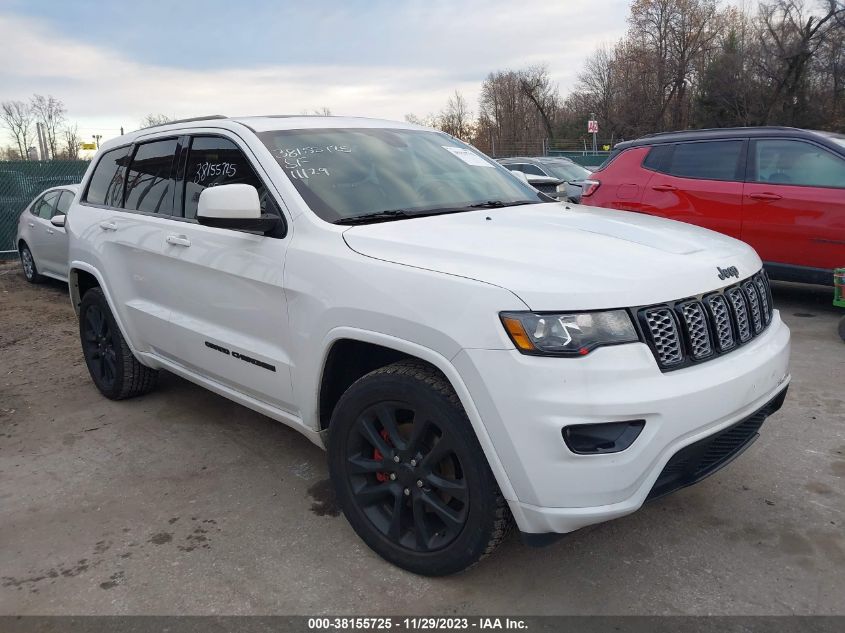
497	204
378	216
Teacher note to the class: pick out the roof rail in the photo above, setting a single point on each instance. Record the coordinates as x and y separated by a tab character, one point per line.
188	120
719	129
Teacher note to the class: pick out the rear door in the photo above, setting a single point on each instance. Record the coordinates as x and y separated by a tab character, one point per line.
794	203
698	182
135	191
41	229
229	316
54	256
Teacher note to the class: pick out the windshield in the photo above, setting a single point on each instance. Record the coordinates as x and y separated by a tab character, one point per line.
565	170
346	173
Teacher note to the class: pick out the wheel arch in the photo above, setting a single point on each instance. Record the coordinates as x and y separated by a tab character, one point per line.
389	348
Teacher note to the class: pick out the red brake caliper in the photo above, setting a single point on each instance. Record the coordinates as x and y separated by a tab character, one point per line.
381	476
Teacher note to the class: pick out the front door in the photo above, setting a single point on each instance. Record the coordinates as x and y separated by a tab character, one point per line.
794	204
229	317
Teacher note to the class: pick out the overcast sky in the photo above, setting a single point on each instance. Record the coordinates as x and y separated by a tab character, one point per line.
112	62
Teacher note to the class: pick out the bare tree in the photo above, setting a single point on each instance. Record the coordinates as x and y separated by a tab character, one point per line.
72	141
790	38
428	120
456	119
155	119
538	88
50	112
17	118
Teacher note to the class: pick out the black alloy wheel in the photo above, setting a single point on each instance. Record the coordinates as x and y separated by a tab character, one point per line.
409	473
98	344
406	477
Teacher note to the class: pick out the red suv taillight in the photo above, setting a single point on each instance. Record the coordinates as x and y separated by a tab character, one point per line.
589	187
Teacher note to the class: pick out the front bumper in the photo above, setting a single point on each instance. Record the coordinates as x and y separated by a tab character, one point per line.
525	401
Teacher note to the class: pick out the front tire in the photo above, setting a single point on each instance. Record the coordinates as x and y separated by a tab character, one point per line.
113	367
30	271
409	473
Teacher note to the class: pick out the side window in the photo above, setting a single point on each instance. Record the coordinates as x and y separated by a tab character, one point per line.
150	185
658	158
106	186
533	170
63	204
213	161
787	162
708	160
44	207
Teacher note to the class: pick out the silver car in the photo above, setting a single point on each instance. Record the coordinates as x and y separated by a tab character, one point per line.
41	239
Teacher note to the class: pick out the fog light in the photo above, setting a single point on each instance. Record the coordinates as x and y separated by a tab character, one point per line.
603	438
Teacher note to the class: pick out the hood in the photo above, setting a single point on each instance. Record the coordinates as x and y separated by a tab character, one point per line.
559	258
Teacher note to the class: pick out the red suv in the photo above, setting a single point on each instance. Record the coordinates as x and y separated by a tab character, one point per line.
782	190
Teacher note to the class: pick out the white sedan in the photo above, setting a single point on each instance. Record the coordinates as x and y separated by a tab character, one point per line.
41	240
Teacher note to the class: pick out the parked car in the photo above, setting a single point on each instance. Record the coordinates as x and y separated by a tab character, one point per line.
41	239
782	190
557	177
469	354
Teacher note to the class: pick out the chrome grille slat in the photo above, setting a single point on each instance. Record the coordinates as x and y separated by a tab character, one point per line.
754	305
762	286
696	323
736	298
665	336
721	318
697	329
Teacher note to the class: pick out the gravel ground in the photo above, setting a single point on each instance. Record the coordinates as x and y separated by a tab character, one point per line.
181	502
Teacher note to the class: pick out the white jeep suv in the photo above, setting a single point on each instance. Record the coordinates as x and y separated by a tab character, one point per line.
470	353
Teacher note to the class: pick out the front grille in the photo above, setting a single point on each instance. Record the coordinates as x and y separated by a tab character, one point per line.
696	461
695	330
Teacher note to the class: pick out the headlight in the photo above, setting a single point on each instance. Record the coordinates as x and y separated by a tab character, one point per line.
569	334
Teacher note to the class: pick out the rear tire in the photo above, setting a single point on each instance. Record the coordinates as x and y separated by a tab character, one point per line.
410	475
30	271
113	367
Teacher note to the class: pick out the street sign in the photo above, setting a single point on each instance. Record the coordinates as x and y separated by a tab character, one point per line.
89	146
593	127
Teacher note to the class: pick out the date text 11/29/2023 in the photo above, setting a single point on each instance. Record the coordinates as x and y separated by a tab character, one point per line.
415	624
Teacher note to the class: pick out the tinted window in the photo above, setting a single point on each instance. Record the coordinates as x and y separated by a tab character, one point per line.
44	207
150	184
713	160
218	161
106	186
533	170
63	204
658	157
786	162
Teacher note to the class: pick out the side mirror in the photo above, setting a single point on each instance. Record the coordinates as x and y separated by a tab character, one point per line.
58	220
521	175
233	207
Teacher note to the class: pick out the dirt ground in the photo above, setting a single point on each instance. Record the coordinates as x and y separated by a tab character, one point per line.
181	502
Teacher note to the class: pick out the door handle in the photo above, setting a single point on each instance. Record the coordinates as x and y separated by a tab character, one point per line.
765	196
664	188
50	231
31	224
108	226
178	240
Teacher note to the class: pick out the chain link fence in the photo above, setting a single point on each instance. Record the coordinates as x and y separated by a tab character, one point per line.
579	150
20	182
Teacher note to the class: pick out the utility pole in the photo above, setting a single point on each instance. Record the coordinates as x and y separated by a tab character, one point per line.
121	130
97	138
42	141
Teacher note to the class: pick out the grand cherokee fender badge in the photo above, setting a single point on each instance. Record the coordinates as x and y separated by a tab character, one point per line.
243	357
730	271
